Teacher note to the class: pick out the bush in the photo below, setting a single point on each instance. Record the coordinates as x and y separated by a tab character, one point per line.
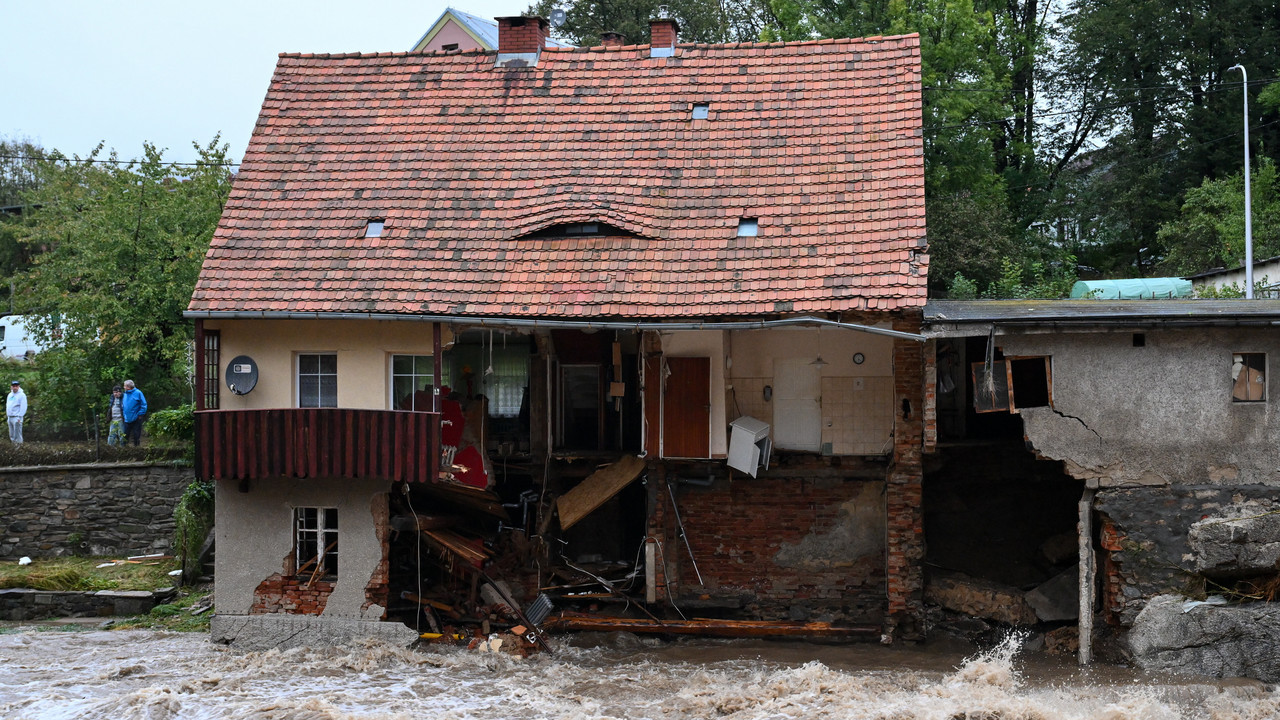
193	517
175	425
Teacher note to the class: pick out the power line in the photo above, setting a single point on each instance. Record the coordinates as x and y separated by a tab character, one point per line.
1216	87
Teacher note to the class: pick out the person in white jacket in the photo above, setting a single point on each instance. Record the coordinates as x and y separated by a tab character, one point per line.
16	410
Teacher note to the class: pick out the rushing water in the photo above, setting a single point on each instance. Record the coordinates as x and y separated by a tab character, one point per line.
155	675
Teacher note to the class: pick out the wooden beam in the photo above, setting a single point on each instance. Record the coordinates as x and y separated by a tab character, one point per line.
597	489
709	627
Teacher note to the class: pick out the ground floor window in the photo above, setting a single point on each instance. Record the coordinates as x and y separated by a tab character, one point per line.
315	532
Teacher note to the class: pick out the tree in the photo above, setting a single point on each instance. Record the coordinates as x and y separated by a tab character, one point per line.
124	241
1209	231
19	163
700	20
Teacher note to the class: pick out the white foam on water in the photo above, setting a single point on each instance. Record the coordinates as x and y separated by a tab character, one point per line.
164	676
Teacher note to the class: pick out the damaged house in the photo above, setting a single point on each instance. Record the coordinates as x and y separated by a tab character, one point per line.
620	335
1126	449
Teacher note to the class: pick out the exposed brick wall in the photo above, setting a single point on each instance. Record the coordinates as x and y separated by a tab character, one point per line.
521	34
291	595
662	33
377	590
905	487
740	530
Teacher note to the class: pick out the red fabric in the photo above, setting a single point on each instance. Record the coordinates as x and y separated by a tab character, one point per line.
475	476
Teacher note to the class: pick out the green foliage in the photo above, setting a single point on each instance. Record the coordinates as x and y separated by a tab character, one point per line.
175	424
586	20
123	246
1033	281
1209	231
962	288
193	517
175	616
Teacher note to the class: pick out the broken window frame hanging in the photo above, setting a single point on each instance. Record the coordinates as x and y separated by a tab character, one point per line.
996	392
315	536
1248	377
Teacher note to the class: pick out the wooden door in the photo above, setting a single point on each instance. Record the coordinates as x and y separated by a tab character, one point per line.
686	408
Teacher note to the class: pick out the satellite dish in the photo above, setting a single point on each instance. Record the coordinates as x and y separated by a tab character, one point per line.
242	375
557	18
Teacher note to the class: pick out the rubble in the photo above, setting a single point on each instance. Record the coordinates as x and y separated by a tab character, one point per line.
1202	638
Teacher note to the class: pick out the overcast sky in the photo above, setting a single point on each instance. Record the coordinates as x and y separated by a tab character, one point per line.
80	72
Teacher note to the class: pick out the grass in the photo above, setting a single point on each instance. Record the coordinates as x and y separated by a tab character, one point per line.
66	452
77	573
83	573
175	616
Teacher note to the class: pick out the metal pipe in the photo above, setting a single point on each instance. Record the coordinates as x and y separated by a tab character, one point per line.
1248	205
500	322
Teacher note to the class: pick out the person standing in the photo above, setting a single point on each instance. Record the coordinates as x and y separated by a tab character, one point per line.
115	404
16	410
133	410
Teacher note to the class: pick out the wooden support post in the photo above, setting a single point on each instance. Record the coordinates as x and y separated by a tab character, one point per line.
1088	577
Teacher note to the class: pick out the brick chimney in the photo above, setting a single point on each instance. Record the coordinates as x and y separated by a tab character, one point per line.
662	34
613	39
520	40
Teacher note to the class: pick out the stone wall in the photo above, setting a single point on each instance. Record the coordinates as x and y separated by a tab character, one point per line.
23	605
94	509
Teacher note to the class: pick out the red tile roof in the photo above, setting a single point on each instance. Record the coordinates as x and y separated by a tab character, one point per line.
819	140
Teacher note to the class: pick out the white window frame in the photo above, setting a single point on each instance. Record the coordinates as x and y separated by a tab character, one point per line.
297	378
392	375
321	537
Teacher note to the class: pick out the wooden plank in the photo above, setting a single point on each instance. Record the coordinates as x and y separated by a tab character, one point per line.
713	627
597	489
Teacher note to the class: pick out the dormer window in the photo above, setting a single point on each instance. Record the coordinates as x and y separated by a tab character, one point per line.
748	227
581	229
373	229
700	111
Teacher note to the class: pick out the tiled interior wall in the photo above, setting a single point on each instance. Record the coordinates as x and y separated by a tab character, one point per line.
749	394
857	413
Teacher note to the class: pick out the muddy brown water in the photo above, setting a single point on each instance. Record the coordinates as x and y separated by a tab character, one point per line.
157	676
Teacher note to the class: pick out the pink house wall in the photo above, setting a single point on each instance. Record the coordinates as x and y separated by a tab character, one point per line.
449	34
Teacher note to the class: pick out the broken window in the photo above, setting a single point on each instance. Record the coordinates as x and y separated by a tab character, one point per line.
317	380
1249	377
316	541
411	379
1013	383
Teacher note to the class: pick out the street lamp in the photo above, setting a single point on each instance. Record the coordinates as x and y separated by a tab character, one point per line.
1248	204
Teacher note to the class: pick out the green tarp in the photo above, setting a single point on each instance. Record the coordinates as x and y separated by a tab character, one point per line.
1132	289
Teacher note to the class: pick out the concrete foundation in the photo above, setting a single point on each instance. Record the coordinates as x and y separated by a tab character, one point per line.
265	632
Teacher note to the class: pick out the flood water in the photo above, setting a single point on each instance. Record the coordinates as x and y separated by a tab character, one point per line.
155	676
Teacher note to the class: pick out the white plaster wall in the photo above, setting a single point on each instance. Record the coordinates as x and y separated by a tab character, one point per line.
254	535
1268	272
364	349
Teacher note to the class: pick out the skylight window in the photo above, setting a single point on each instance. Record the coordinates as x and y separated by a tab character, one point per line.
373	229
700	111
748	227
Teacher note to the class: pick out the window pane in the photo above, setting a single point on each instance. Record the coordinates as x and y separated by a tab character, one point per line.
424	365
309	391
328	364
402	393
401	364
328	391
308	364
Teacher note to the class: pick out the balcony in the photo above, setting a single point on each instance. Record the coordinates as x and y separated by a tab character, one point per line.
392	445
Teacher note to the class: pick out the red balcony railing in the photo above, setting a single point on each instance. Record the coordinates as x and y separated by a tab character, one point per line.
317	442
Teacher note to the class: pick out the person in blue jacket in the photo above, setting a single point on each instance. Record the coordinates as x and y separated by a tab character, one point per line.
135	412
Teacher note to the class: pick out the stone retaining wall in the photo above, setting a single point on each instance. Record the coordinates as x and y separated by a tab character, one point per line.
93	509
22	605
